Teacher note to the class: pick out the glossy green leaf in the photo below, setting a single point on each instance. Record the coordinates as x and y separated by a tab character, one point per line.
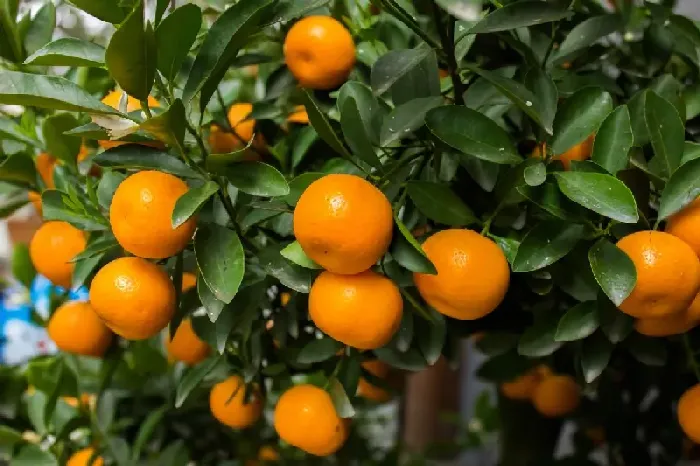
318	350
545	244
11	130
174	38
11	46
9	437
579	322
587	32
322	126
341	400
438	202
33	455
296	254
220	259
431	337
408	253
257	179
580	116
636	107
613	270
472	133
289	274
497	343
136	156
545	91
682	188
48	92
535	175
108	184
41	28
18	168
666	131
614	141
595	356
286	10
168	126
538	340
616	325
192	379
211	303
55	208
22	267
106	10
600	193
392	66
229	33
357	106
131	55
68	51
58	144
299	184
406	118
520	14
190	202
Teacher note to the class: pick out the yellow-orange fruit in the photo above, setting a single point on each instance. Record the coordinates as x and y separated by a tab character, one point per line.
76	328
52	249
557	396
689	413
228	405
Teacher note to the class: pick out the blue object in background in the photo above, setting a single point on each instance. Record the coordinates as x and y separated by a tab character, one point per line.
20	338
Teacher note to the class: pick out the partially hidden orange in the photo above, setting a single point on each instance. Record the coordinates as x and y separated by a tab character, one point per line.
54	245
227	402
76	329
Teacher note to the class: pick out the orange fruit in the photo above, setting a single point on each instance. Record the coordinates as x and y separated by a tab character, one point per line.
343	223
45	165
132	104
473	274
82	458
223	142
319	52
189	281
35	199
75	328
186	346
86	399
363	311
299	116
134	297
52	249
268	453
674	324
685	224
668	274
579	152
372	392
524	386
556	396
285	296
228	405
689	413
141	213
306	418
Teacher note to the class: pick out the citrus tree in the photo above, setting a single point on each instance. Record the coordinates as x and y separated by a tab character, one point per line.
290	197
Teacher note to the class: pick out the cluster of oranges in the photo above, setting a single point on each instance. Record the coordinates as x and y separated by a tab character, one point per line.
552	395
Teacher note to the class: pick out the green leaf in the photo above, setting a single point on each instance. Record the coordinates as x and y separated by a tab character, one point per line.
546	243
18	168
9	437
106	10
538	340
192	379
48	92
54	208
497	343
614	140
579	322
148	426
230	32
588	32
58	144
616	325
580	116
357	106
108	184
11	130
83	269
636	107
649	351
392	66
287	10
472	133
22	267
613	270
431	337
666	131
504	367
318	350
174	38
438	202
535	175
10	206
41	28
520	14
131	55
408	253
299	184
600	193
136	156
682	188
32	455
289	274
211	303
595	356
296	254
341	401
322	126
257	179
68	51
168	126
545	91
190	202
161	6
11	46
518	94
406	118
221	260
690	152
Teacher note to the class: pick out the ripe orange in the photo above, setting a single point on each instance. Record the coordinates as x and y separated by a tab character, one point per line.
45	165
579	152
556	396
222	142
689	413
363	311
685	224
35	199
306	418
668	274
343	223
141	213
133	104
285	296
268	453
299	116
75	328
52	249
189	281
319	52
473	274
134	297
372	392
674	324
186	346
524	386
82	458
228	405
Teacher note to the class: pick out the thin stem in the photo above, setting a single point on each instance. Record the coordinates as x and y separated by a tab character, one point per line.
691	356
418	306
231	211
146	110
448	45
395	10
550	49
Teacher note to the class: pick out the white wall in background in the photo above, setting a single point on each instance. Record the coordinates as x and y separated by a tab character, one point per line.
690	8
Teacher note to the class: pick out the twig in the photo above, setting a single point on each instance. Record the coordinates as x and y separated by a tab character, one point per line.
448	45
